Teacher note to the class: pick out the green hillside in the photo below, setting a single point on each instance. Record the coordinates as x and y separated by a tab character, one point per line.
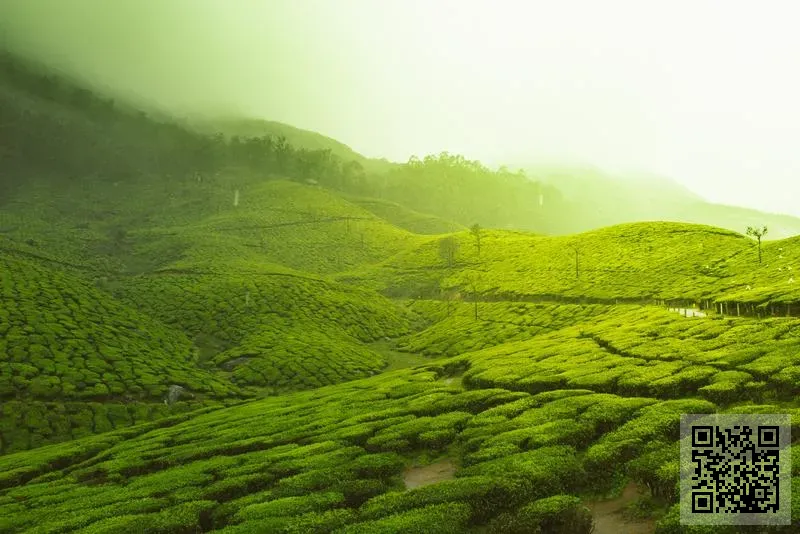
413	221
637	261
350	363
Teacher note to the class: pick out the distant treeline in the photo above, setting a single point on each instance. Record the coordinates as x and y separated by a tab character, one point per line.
467	192
53	126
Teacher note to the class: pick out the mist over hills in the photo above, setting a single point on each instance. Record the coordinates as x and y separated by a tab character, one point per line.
581	199
238	326
594	198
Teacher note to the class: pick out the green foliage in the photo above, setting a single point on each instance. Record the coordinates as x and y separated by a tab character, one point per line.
450	518
457	189
559	514
402	217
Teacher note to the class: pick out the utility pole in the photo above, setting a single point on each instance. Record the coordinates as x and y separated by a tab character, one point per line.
577	269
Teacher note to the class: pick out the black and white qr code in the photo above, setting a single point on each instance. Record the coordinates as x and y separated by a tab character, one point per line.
736	469
735	464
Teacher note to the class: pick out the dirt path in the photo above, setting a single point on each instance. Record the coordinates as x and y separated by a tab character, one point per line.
608	517
415	477
396	359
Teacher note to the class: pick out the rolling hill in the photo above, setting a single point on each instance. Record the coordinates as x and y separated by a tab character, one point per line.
351	364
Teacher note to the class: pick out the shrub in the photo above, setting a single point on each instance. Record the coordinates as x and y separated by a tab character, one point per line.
559	514
290	506
486	495
450	518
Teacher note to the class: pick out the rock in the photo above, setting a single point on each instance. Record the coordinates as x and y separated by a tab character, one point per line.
173	394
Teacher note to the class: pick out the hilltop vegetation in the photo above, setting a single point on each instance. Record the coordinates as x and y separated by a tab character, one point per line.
640	262
248	128
633	261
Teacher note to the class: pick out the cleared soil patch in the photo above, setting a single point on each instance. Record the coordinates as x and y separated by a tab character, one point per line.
688	312
415	477
608	517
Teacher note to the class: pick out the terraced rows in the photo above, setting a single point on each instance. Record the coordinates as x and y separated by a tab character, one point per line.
62	339
652	352
328	460
455	329
331	460
31	424
402	217
629	261
640	263
292	355
301	227
772	281
276	330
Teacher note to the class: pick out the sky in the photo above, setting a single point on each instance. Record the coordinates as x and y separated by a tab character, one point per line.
706	92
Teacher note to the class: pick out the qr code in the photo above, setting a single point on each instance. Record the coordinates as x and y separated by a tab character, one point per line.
735	469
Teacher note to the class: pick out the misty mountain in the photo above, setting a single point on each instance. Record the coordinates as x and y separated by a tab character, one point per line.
56	126
600	198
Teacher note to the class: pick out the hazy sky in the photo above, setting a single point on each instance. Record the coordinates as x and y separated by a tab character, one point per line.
707	92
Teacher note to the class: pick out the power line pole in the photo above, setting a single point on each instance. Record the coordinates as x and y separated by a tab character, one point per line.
577	269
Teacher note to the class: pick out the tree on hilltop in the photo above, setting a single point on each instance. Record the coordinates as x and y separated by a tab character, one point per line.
757	233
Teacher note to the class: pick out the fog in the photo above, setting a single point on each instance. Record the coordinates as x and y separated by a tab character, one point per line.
702	91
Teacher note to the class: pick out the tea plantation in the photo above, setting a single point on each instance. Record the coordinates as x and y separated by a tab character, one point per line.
548	382
213	333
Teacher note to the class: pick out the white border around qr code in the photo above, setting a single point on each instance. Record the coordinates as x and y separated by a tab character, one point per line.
698	445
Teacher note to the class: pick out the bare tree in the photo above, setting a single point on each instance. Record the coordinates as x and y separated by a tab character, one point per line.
448	247
476	232
473	279
758	233
450	296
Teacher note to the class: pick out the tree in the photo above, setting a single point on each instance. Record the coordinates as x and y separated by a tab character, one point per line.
354	175
475	230
758	233
450	296
448	247
472	280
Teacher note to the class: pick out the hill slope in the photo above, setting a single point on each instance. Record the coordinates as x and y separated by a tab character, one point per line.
214	265
632	261
530	420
